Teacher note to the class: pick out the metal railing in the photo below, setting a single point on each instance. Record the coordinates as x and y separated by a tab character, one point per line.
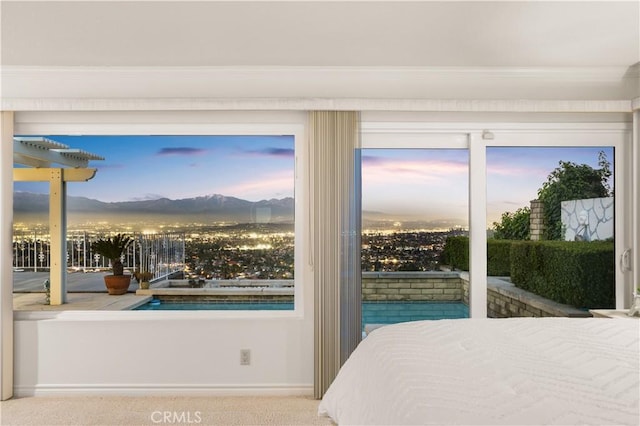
160	254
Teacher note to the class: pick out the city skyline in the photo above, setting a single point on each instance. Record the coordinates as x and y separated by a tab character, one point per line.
406	184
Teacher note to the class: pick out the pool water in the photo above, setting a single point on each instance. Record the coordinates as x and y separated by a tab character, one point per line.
394	312
372	312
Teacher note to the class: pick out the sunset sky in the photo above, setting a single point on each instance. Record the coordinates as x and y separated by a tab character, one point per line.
408	183
434	183
150	167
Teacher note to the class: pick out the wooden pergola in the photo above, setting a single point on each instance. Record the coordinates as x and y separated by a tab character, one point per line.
38	154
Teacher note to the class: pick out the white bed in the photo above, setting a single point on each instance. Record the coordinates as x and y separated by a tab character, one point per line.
534	371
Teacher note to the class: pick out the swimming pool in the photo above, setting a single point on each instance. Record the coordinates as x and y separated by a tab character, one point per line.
372	312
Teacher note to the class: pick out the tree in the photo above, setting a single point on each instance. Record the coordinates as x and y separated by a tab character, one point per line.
571	181
513	226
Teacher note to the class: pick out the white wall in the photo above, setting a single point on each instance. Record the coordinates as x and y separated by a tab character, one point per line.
171	352
176	357
6	231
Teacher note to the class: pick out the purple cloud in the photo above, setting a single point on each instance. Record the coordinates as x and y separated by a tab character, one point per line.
281	152
274	152
371	159
180	151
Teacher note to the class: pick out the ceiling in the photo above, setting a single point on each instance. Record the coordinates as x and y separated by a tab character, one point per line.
299	49
321	33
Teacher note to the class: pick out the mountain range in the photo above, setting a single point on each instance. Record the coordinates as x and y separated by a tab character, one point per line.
32	208
215	207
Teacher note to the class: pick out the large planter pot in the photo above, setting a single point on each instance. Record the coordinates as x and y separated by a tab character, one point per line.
117	284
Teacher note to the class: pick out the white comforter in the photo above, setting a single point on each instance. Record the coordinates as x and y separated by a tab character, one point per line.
534	371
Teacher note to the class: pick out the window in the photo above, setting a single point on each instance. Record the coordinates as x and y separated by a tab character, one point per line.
564	198
212	215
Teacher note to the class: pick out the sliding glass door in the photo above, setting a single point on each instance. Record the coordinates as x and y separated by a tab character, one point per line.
514	182
566	190
415	203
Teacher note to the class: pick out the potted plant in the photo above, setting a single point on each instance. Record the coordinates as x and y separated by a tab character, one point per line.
112	248
143	278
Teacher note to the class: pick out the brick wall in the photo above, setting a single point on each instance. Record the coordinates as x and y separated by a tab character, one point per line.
501	306
536	220
411	286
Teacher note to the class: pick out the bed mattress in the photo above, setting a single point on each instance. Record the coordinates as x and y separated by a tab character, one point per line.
518	371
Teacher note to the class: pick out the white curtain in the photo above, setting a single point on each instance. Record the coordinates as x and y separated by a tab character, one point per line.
335	171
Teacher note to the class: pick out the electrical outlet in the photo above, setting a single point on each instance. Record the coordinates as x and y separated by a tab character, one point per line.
245	356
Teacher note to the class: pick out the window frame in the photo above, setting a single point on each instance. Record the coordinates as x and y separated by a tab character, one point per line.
223	124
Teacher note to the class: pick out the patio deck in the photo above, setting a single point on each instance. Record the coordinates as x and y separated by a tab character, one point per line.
79	302
85	292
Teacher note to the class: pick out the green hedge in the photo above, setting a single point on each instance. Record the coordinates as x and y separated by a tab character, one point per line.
499	258
456	255
581	274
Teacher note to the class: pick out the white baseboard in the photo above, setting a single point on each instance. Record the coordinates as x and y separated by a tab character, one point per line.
163	390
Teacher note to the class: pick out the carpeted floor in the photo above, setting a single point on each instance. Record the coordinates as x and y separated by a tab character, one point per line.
199	410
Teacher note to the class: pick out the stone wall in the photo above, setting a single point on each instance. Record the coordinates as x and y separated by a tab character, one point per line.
505	300
536	220
412	286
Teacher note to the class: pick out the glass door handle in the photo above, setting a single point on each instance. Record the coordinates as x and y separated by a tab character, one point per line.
625	260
